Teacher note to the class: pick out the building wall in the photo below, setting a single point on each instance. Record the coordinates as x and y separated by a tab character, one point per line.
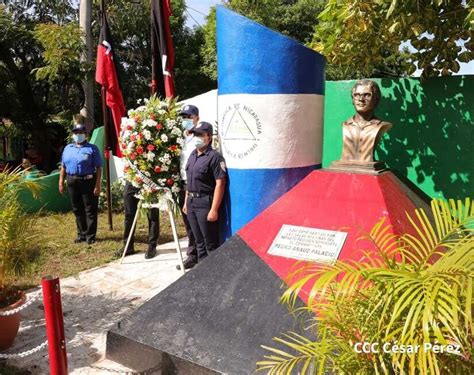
431	142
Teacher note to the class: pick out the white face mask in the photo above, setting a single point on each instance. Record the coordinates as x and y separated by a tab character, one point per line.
199	142
187	124
79	138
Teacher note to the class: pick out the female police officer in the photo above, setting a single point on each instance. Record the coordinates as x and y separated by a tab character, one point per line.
81	166
206	176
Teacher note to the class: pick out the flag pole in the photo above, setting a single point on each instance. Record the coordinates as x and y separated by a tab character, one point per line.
107	158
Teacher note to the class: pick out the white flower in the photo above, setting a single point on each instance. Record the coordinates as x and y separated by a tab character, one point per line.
130	146
142	108
128	122
161	159
177	132
139	101
147	134
170	123
161	111
146	173
180	141
164	138
168	162
175	189
166	156
150	156
164	168
150	123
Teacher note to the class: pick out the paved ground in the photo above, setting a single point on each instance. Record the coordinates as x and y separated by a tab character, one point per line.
92	302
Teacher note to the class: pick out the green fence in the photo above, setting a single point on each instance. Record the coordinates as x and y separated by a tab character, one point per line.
431	142
49	198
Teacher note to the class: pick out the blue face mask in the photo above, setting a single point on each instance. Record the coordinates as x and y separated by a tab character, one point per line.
199	142
79	138
187	124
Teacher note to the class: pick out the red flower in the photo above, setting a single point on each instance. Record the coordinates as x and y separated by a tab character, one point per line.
140	135
133	137
173	148
169	182
159	126
150	147
140	150
157	169
124	146
129	127
133	156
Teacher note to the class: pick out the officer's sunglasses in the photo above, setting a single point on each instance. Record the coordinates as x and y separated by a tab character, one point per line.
186	116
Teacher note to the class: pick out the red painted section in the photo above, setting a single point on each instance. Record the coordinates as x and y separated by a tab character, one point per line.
330	200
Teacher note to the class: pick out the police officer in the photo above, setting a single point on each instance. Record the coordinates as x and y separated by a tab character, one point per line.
81	169
190	117
131	204
206	176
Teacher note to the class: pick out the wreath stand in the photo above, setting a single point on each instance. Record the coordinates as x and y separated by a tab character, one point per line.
173	228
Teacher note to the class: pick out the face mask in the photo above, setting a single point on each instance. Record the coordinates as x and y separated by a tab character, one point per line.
199	142
187	124
79	138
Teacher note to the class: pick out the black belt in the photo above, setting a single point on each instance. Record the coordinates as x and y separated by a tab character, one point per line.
85	177
197	195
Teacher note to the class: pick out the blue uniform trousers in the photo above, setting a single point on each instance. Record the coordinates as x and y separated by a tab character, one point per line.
84	206
206	233
153	214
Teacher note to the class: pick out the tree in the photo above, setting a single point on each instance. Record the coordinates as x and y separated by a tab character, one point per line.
357	34
294	18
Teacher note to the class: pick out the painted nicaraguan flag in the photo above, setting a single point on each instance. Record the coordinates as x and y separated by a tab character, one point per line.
162	60
106	75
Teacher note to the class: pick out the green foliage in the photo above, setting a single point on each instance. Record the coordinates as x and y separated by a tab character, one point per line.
294	18
358	33
116	192
62	48
416	289
17	234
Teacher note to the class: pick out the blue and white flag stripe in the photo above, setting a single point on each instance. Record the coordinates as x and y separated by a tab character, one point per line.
270	113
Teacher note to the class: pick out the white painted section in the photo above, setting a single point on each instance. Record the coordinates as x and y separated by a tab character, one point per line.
271	131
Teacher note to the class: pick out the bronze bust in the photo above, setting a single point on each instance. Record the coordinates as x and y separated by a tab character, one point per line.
362	132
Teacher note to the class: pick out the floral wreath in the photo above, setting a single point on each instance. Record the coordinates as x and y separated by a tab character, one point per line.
151	141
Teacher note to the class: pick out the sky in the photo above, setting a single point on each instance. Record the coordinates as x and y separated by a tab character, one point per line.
198	9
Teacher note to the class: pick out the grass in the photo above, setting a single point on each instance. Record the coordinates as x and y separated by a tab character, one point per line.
59	256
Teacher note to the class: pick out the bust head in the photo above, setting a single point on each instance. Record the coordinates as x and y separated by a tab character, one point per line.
365	96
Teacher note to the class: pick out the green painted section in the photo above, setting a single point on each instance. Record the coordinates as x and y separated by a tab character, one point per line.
49	198
431	142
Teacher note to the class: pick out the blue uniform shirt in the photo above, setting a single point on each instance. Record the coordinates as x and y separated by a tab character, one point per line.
81	161
202	171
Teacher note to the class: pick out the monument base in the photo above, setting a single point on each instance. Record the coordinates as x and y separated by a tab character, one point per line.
369	167
216	317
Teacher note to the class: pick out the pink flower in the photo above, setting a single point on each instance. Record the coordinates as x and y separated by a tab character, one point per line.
170	182
150	147
157	169
140	150
159	126
133	137
133	156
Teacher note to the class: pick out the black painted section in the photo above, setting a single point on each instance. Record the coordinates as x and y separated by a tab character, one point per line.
213	318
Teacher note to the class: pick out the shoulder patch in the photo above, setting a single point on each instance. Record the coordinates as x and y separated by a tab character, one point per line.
222	164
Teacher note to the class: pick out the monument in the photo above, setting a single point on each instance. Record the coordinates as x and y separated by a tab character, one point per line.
362	132
216	317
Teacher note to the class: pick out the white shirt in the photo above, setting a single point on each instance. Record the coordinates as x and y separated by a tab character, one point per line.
188	148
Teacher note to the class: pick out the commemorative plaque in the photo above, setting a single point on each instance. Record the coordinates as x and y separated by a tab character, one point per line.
311	244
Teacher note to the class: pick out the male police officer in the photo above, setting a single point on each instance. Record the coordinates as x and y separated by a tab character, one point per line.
190	115
81	167
206	175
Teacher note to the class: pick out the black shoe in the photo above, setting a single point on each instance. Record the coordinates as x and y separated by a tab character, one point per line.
91	241
118	253
151	252
79	240
188	264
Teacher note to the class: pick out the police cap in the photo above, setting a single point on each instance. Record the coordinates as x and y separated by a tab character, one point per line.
189	110
79	128
202	127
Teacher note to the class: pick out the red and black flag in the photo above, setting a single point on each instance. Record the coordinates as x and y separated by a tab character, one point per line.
162	59
106	75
